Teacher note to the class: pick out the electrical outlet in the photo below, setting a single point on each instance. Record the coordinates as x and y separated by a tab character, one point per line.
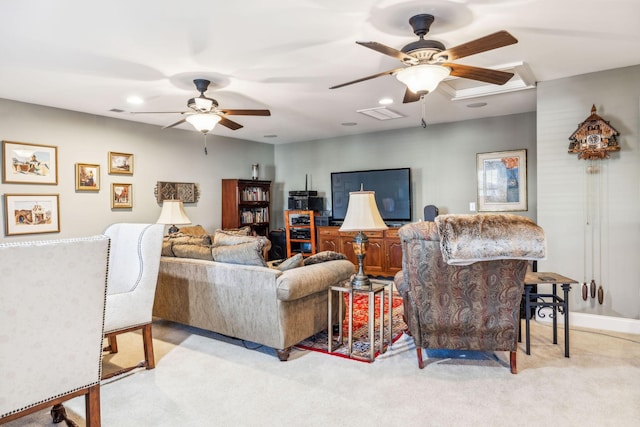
472	206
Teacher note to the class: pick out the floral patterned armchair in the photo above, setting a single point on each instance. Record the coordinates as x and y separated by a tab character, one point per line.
468	305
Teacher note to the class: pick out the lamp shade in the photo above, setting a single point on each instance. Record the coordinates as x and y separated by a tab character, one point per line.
423	78
362	213
173	213
203	122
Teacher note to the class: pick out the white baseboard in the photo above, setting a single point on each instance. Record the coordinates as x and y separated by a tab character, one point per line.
596	321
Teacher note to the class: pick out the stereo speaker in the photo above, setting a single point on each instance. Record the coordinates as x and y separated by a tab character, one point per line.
278	240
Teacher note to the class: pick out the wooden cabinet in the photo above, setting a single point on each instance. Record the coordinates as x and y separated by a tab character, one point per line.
384	252
246	202
300	232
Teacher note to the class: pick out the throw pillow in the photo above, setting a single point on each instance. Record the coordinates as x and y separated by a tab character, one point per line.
248	253
294	262
323	257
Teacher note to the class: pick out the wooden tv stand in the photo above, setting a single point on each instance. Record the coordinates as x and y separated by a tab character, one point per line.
384	254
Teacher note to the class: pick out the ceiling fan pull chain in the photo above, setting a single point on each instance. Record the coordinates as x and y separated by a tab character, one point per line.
424	111
205	145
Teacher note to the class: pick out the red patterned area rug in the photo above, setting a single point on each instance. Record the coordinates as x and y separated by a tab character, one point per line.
361	346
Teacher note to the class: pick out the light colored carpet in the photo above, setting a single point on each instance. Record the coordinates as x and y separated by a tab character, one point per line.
201	380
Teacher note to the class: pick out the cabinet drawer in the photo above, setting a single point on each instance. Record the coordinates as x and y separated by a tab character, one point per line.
370	234
392	233
328	231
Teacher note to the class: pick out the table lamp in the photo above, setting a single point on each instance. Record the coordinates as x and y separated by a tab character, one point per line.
362	215
173	213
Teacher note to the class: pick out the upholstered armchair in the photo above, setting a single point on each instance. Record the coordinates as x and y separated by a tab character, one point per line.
51	325
462	280
134	260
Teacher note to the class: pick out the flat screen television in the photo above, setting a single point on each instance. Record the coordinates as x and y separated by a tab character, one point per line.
392	188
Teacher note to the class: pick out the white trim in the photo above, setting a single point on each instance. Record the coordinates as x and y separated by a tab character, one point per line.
596	321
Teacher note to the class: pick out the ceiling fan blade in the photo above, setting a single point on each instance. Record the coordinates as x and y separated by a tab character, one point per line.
487	75
410	96
389	51
157	112
179	122
246	112
483	44
229	123
384	73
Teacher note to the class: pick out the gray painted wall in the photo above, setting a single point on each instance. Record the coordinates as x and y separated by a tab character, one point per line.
159	155
612	220
442	159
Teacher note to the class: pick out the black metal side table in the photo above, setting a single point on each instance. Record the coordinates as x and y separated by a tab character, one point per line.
547	300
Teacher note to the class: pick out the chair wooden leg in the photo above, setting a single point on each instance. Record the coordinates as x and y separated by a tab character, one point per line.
113	344
419	354
147	340
512	360
92	406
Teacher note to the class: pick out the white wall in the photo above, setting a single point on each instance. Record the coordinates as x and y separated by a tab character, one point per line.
159	155
442	159
563	190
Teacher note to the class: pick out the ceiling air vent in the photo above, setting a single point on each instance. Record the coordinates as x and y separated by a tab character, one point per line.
381	113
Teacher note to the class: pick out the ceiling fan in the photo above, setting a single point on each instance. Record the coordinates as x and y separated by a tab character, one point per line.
428	61
204	113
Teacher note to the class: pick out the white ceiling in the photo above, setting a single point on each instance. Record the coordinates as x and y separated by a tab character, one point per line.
283	55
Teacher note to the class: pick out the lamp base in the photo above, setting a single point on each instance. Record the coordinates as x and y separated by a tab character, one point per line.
361	282
173	229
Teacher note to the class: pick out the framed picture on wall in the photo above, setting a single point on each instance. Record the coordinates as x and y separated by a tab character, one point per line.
502	181
31	213
121	196
120	163
25	163
87	177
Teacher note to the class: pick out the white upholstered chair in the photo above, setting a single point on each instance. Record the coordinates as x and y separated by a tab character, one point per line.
51	325
134	260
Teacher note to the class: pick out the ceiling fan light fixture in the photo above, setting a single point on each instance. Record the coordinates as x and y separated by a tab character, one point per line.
203	122
424	78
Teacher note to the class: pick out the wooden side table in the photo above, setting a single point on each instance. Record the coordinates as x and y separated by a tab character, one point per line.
377	287
541	300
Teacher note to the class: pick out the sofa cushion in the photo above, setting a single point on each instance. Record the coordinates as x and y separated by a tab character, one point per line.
294	262
192	230
247	253
324	256
243	231
222	238
192	251
195	236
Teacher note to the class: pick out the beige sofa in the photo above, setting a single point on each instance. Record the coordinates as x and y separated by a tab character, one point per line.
263	305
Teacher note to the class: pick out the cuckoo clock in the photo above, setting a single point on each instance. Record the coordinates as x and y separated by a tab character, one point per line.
594	138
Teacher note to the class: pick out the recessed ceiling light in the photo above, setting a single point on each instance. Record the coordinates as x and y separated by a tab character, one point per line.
477	105
348	124
385	101
135	100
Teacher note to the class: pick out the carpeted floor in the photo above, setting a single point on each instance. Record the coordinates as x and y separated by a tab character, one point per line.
203	379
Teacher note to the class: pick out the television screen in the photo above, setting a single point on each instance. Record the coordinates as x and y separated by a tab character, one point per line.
392	188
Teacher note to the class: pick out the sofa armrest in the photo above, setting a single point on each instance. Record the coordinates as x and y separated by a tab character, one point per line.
302	281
